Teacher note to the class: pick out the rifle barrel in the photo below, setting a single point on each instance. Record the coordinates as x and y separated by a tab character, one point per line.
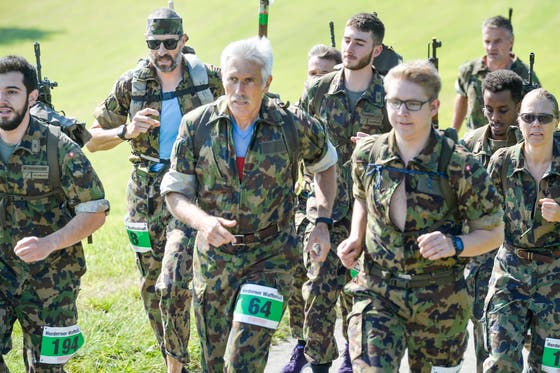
37	48
331	27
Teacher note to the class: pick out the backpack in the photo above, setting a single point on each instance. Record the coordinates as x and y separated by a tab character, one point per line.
73	128
448	146
197	71
282	116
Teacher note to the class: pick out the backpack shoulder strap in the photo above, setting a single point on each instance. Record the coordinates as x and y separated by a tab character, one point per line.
322	88
447	148
290	135
53	137
199	76
202	130
138	88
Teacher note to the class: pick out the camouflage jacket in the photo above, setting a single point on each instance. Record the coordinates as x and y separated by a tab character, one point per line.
479	142
524	225
266	194
368	116
115	109
478	202
31	208
469	84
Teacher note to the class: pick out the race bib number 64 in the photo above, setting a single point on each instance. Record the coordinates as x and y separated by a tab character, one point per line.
259	305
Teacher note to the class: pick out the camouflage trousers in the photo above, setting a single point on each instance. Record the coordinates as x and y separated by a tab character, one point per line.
523	294
167	304
320	292
430	321
43	299
477	275
219	274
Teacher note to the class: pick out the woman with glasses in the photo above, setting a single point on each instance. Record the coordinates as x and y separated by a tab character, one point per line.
525	284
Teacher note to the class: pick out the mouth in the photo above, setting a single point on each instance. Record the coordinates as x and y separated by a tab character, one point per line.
5	110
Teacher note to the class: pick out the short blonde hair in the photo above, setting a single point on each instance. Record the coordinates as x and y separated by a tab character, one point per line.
543	93
420	72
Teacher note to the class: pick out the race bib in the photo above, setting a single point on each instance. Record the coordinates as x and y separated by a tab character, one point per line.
139	236
259	305
60	343
551	355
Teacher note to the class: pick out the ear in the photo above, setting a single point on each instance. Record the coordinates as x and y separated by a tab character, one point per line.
32	97
377	50
267	85
434	107
185	37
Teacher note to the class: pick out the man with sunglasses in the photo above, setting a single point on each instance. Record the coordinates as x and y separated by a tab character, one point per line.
523	290
497	40
411	292
154	96
502	92
347	101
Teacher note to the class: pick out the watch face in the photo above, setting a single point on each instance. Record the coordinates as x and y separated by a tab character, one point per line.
458	243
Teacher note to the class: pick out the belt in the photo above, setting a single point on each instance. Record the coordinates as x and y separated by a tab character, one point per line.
533	256
406	281
244	239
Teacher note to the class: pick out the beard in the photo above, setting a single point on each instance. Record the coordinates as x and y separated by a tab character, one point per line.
165	69
11	124
361	63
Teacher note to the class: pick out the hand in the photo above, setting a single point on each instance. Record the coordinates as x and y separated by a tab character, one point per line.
550	210
142	123
214	231
33	249
348	251
359	136
435	245
319	243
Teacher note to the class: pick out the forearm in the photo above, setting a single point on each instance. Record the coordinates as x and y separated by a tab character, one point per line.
459	112
325	191
481	241
185	210
359	220
103	139
80	227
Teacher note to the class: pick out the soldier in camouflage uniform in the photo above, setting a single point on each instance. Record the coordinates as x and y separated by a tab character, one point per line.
42	224
502	93
154	96
321	60
352	101
497	40
523	291
411	292
232	179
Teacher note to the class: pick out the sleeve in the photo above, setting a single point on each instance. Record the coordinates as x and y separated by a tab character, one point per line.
461	84
495	169
478	200
113	111
81	185
360	160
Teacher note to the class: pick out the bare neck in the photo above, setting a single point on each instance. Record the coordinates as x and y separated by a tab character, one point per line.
358	80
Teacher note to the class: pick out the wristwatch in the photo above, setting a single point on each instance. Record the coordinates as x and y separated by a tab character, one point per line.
122	132
322	219
457	245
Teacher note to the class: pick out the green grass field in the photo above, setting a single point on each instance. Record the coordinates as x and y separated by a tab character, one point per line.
86	45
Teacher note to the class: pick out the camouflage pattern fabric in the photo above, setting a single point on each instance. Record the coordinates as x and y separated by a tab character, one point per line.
342	122
469	84
443	305
479	268
321	291
265	197
44	292
144	203
523	293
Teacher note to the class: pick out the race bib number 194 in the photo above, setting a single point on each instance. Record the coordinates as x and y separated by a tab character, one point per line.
60	343
259	305
551	356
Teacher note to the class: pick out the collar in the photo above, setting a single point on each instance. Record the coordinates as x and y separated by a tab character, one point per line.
519	159
34	136
481	66
339	87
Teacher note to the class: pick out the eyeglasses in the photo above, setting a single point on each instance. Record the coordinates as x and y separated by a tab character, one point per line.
168	44
541	118
412	105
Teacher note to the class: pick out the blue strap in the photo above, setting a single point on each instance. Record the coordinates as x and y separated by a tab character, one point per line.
376	168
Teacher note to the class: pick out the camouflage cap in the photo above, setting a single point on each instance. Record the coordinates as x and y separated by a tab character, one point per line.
164	21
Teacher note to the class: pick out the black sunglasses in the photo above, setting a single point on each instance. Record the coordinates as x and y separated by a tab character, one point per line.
169	44
541	118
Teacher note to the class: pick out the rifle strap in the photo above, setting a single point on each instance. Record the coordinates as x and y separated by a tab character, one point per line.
323	86
52	156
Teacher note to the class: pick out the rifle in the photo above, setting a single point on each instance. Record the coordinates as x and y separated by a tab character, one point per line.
510	13
45	85
529	84
435	44
263	18
331	27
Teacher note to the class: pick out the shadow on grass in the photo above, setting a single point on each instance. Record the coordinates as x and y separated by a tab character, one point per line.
13	35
